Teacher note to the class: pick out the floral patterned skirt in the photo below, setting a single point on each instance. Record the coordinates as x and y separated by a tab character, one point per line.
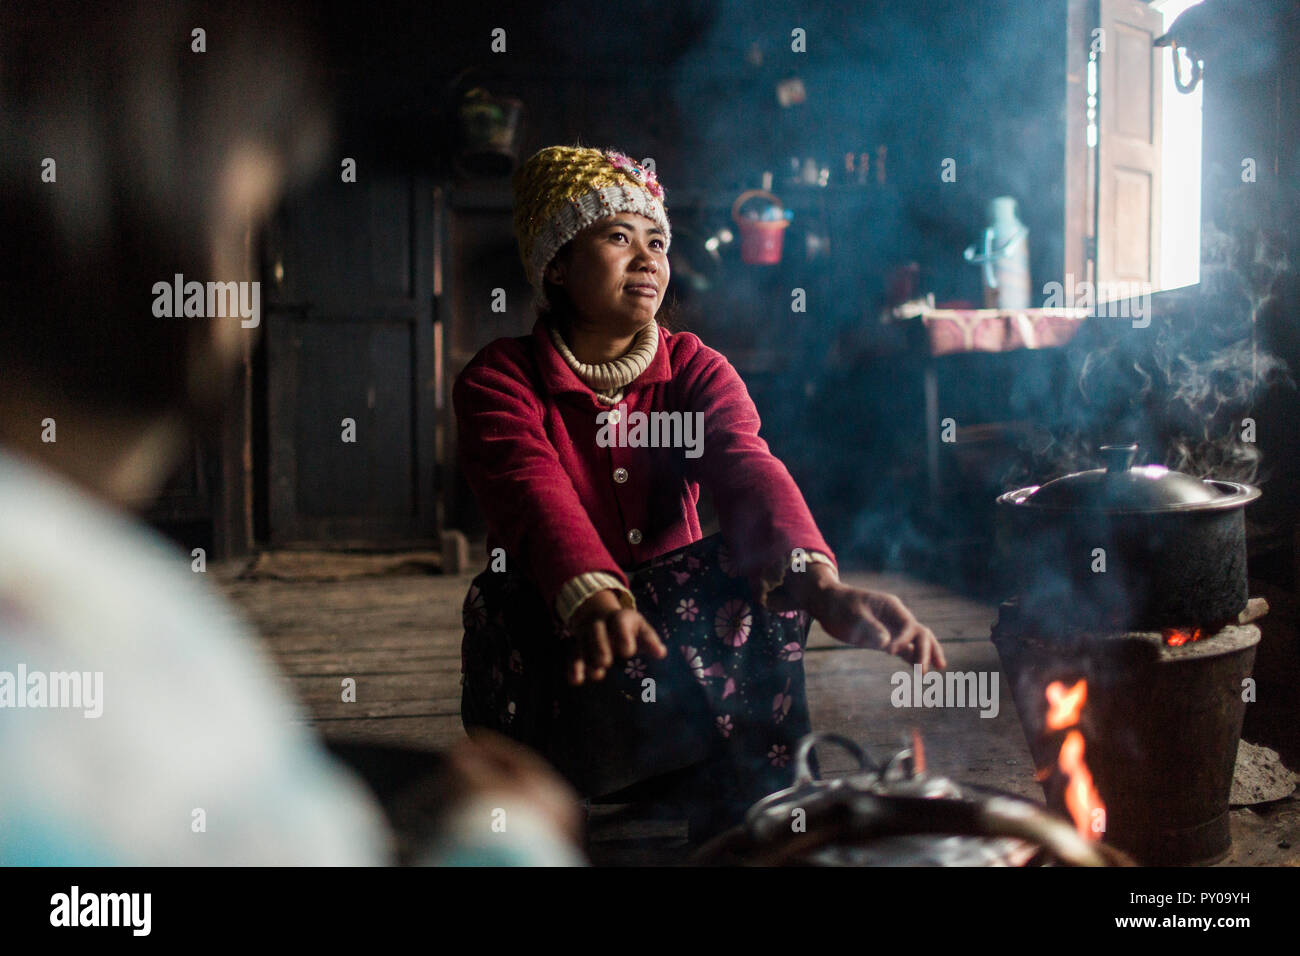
729	698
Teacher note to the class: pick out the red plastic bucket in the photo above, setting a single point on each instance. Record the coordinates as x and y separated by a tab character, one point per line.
760	240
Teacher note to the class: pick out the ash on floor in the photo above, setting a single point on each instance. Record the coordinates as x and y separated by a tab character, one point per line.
1260	776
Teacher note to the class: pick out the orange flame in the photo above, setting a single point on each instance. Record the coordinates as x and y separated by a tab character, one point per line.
1081	798
1175	637
1065	706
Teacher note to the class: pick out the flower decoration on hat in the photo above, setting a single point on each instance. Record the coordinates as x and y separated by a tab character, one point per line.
646	177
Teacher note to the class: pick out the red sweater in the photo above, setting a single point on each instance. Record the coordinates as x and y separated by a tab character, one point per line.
527	442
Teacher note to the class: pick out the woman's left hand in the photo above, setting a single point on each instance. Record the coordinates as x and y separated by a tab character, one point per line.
859	617
878	620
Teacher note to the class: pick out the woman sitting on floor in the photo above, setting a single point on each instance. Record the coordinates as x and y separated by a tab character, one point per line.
590	499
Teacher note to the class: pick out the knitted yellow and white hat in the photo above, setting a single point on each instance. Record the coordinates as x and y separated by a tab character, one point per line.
562	190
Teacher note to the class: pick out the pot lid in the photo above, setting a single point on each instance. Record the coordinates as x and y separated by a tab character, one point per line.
1123	487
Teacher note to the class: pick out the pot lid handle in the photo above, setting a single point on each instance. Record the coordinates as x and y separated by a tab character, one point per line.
803	774
1118	457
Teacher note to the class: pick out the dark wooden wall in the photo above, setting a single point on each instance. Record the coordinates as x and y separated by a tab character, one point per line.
1252	111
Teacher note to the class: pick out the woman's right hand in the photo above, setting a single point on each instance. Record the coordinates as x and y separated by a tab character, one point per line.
602	628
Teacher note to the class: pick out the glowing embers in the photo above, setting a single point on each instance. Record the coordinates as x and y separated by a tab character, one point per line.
1178	636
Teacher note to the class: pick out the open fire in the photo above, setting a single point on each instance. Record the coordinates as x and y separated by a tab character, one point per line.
1065	706
1064	709
1158	797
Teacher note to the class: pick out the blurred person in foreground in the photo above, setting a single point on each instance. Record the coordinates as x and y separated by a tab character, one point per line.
129	158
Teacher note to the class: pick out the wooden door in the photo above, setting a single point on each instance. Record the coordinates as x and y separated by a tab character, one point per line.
350	339
1128	143
487	296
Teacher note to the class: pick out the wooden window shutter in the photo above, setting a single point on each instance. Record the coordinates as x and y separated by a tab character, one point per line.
1128	145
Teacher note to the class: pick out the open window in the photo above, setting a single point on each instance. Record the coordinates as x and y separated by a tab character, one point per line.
1133	165
1180	165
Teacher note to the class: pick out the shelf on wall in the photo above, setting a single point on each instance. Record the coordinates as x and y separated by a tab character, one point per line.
493	194
793	197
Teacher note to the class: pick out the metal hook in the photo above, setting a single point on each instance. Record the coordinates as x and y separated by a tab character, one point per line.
1197	66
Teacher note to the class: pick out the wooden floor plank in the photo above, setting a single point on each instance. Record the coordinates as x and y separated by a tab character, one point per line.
428	733
383	709
419	685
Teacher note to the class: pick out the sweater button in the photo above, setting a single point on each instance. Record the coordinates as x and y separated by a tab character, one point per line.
620	475
634	536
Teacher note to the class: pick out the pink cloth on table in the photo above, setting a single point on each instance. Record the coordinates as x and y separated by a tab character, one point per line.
999	330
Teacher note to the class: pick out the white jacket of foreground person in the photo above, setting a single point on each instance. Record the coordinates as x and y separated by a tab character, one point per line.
141	723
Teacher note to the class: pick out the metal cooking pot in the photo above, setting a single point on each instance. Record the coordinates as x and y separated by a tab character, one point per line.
1127	548
896	815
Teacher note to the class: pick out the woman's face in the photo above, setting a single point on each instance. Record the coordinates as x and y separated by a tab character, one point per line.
616	272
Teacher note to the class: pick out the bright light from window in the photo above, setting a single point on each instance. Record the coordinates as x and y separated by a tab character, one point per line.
1180	201
1092	101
